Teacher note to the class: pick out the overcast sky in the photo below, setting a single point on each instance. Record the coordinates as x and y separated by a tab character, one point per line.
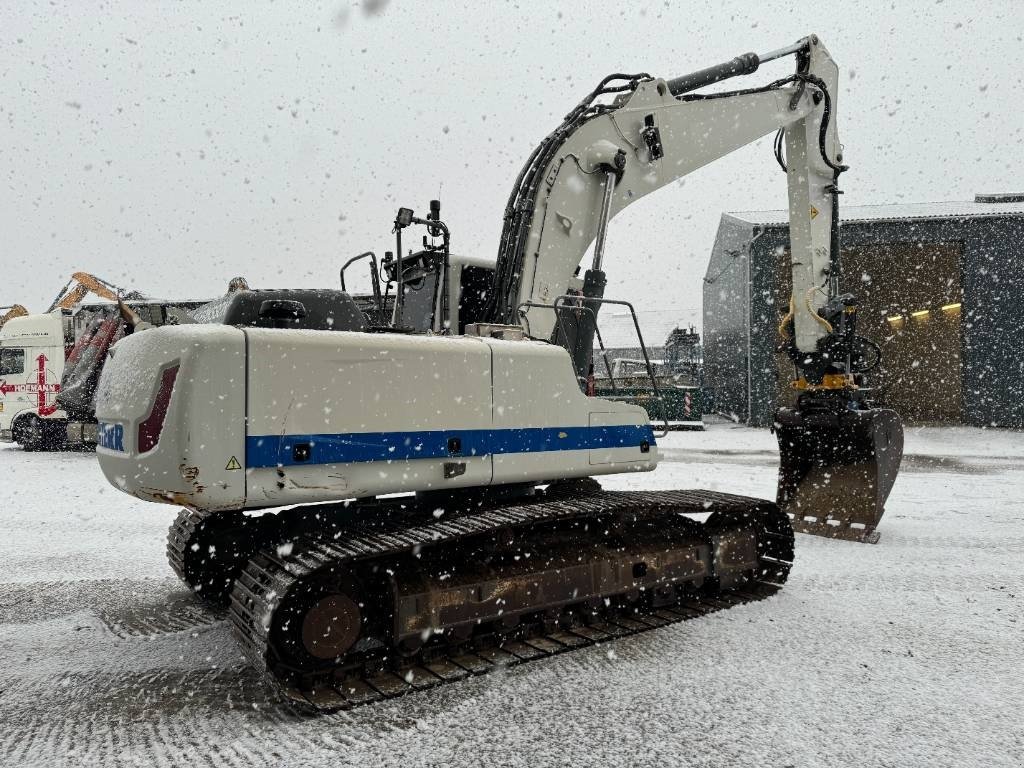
167	147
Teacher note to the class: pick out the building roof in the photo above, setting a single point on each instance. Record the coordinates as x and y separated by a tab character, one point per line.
894	212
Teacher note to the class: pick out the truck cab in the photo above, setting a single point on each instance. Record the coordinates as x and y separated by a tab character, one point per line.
32	352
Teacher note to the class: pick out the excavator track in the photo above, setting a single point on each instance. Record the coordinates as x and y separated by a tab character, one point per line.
297	590
207	550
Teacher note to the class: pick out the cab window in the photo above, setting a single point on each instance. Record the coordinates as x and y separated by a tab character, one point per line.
12	361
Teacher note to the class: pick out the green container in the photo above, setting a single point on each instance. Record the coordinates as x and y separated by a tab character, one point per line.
682	406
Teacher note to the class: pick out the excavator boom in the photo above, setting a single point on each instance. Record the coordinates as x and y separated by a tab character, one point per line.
79	286
654	133
11	312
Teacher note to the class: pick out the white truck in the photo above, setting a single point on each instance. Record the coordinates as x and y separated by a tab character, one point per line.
38	358
32	350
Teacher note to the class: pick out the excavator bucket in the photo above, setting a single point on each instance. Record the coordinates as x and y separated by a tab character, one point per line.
837	469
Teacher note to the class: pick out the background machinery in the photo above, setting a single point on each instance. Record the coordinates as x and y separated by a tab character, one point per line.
10	312
81	285
33	348
50	362
670	389
472	405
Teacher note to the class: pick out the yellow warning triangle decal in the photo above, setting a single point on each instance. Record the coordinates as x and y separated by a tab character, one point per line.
814	211
233	464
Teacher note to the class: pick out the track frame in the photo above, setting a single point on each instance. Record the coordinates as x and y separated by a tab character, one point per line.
278	573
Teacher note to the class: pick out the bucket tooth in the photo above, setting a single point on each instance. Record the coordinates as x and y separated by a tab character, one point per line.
837	468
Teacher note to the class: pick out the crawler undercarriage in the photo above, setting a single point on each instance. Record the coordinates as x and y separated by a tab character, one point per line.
345	604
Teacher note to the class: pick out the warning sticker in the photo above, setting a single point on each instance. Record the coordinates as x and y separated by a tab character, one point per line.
814	211
233	464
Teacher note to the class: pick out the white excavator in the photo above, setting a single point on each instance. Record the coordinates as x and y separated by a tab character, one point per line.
428	484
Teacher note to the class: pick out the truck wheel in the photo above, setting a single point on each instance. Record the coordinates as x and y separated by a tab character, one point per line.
30	432
55	434
36	434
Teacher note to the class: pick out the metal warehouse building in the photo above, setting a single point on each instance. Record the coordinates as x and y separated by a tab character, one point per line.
942	292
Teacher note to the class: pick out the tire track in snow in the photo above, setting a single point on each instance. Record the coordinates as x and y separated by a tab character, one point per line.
147	719
128	608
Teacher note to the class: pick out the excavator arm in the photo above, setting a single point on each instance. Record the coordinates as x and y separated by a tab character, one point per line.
635	134
79	286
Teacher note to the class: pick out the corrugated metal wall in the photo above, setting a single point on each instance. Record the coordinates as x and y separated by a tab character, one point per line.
940	367
726	326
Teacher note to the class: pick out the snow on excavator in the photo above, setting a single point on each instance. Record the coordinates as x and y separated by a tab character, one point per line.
449	520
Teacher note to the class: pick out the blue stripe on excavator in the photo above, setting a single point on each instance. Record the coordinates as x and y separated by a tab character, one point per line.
280	450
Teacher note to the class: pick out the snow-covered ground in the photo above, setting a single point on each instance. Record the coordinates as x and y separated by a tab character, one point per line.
906	653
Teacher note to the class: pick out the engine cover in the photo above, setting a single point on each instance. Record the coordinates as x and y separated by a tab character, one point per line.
270	417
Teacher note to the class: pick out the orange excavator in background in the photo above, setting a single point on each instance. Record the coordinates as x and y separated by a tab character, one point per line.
10	312
40	360
83	283
77	288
